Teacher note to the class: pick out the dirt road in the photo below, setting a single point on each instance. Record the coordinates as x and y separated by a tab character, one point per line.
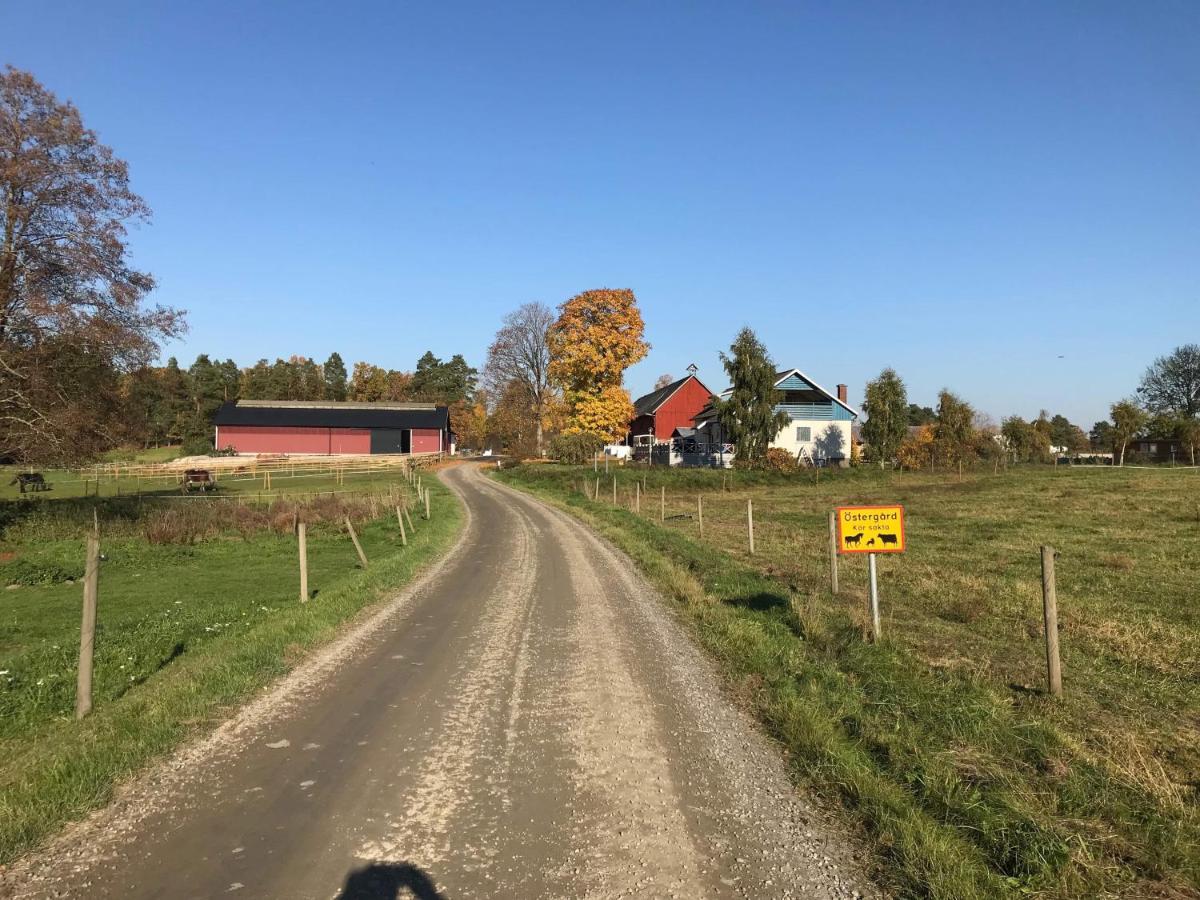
528	721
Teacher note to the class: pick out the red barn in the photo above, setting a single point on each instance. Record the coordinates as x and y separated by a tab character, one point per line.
674	406
331	428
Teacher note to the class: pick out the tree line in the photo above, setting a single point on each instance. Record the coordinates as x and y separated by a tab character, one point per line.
1166	407
172	405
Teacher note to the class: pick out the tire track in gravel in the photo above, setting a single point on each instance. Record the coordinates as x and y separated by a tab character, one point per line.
489	678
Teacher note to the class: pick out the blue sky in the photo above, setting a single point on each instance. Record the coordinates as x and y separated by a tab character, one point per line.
964	191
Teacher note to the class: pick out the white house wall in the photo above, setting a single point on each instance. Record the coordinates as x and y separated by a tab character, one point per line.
829	440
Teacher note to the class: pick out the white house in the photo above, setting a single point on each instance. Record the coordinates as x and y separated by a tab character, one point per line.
819	430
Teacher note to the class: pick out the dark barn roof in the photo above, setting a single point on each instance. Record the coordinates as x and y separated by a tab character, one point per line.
297	414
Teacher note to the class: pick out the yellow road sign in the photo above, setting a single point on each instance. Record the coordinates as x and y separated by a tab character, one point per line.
870	529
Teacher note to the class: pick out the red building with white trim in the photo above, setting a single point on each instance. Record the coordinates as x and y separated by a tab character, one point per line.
330	428
674	406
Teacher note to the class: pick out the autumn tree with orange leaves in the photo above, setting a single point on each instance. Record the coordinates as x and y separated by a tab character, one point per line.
597	336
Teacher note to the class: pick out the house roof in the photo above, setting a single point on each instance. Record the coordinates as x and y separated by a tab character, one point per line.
787	373
648	404
325	414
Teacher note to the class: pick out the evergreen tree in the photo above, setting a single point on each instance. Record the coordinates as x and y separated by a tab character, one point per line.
921	415
333	374
749	417
255	381
176	402
886	406
435	381
1102	436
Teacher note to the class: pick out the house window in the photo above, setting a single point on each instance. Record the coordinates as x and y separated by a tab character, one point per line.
803	434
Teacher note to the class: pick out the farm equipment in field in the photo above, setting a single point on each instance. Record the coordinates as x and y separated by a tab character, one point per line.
198	480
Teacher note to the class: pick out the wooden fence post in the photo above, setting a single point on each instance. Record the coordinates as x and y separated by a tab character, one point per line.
427	506
362	557
700	512
637	498
833	559
750	521
403	533
614	483
302	537
596	496
87	630
408	515
1050	614
662	504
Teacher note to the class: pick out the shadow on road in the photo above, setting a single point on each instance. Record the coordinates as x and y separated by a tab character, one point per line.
389	881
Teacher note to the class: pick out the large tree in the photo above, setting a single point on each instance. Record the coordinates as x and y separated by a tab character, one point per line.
435	381
596	337
1128	419
886	406
67	288
921	415
520	355
1101	436
1189	433
334	375
749	416
954	432
1172	383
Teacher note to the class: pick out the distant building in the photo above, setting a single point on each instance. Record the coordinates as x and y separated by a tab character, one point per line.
329	428
673	406
1159	450
819	427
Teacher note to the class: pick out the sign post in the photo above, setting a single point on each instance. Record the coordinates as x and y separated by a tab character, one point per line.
873	598
871	530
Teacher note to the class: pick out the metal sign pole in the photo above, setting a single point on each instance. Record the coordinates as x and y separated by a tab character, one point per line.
874	596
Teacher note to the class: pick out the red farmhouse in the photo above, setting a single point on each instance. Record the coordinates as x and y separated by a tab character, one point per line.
330	428
674	406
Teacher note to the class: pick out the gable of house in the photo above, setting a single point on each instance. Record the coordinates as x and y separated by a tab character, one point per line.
670	407
802	398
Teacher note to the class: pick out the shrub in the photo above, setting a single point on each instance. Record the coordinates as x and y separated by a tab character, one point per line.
576	449
779	460
197	445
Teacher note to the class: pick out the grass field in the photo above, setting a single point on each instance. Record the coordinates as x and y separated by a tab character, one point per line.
147	455
941	741
198	608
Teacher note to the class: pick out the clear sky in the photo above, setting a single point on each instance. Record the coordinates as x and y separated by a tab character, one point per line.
1001	198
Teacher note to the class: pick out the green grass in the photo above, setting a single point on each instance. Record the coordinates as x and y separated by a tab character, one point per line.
143	455
185	632
941	741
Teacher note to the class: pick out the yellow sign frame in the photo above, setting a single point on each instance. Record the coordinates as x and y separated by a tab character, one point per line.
883	525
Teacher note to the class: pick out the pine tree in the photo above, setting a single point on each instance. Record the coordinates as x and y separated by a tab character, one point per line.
334	375
749	417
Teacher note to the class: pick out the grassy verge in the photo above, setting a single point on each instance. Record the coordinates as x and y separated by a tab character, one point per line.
969	780
186	632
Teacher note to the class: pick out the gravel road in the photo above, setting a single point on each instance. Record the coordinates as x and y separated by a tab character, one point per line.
527	721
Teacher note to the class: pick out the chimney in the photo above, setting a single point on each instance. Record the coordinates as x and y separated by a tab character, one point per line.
842	392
